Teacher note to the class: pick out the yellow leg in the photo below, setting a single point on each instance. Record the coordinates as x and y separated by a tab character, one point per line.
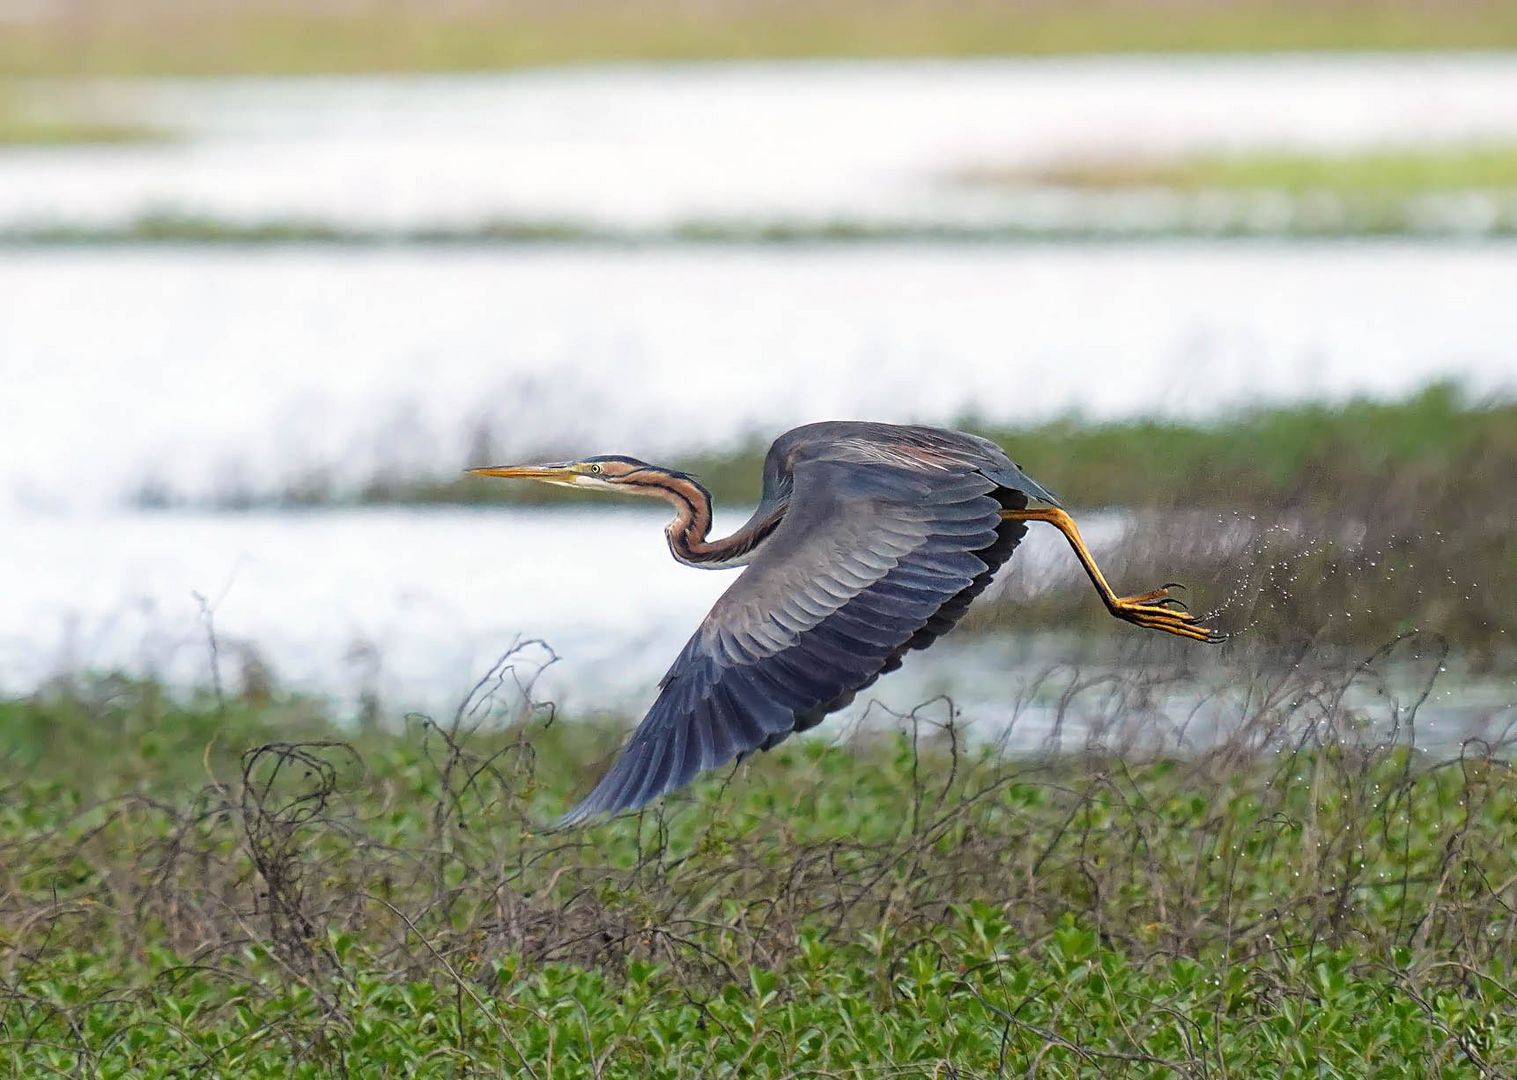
1148	609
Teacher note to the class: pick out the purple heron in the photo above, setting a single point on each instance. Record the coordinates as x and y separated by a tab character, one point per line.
870	540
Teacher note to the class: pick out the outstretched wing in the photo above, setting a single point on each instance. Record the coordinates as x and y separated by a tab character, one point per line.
876	554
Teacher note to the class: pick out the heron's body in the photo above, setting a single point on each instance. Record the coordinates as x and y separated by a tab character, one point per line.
870	540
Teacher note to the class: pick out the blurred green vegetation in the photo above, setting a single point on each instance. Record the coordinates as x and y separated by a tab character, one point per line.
239	887
1266	456
1304	526
1382	172
1330	217
1301	455
24	122
268	38
1457	191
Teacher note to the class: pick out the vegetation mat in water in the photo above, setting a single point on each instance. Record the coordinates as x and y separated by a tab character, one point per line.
237	887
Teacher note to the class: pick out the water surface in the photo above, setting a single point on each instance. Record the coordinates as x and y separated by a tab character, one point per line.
651	145
408	605
407	609
199	372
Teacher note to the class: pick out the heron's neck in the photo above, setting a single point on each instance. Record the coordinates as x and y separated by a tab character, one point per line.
691	527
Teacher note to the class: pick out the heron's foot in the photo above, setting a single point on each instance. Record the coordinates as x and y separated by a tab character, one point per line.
1158	610
1161	593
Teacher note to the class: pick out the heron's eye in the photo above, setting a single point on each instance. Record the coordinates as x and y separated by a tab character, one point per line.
594	468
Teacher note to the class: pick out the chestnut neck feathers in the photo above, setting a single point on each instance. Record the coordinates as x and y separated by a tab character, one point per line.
689	531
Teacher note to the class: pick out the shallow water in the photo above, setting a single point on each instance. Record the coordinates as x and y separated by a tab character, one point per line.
407	609
200	372
648	145
410	605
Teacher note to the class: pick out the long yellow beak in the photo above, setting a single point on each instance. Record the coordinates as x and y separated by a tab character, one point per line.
527	472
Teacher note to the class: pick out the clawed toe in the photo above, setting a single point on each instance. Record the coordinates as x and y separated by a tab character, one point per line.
1154	597
1157	610
1189	630
1179	613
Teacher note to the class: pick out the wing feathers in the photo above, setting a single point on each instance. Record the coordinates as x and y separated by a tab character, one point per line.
872	557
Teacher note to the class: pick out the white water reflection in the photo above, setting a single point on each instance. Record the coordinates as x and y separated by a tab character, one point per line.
410	605
199	371
408	608
654	145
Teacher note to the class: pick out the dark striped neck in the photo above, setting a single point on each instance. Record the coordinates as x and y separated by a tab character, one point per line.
688	533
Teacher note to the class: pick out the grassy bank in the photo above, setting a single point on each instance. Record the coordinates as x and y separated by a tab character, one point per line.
1388	172
1305	456
267	37
1307	526
29	120
1255	215
236	887
1458	190
1302	524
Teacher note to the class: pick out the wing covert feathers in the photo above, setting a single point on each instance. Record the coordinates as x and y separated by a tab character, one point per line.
885	542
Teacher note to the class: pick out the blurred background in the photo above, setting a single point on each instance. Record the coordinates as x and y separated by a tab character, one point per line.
1234	278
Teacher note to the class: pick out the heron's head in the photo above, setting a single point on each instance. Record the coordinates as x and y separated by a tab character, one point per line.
605	472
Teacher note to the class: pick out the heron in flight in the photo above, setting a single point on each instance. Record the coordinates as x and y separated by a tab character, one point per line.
870	540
